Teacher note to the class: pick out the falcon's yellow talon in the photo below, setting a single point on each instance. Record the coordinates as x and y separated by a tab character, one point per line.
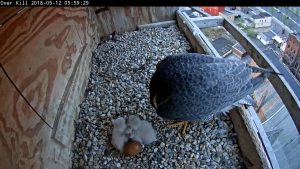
182	123
184	127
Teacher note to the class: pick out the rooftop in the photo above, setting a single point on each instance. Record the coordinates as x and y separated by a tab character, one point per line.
222	45
264	14
248	20
239	47
260	15
246	9
269	35
278	39
227	12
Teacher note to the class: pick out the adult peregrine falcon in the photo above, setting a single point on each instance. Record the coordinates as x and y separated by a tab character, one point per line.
195	86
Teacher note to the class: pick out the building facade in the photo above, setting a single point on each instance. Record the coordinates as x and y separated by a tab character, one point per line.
266	38
291	55
263	19
279	43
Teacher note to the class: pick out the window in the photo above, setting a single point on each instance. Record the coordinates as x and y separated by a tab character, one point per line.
296	65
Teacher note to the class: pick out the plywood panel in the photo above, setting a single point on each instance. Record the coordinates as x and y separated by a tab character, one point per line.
64	128
25	140
122	19
8	12
21	130
84	20
87	25
46	52
39	54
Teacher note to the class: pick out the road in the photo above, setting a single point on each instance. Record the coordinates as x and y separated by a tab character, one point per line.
290	13
286	16
277	26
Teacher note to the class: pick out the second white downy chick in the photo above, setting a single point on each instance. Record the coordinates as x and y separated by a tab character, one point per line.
119	137
140	130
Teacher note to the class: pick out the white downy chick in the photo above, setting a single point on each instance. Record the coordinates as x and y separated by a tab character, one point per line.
140	130
119	137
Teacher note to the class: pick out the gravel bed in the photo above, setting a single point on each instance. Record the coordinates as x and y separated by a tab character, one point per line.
119	86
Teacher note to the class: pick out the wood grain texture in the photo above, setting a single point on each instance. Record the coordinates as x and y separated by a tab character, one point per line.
84	21
121	19
8	12
39	54
25	140
22	131
46	52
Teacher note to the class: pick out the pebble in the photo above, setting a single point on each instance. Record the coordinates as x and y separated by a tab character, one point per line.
118	85
118	165
219	148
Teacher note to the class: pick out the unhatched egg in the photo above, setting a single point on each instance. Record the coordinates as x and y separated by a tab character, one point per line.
132	148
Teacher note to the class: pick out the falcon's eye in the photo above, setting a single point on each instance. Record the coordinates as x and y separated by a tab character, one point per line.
158	64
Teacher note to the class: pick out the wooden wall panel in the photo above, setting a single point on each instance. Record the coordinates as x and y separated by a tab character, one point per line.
40	55
25	140
122	19
87	25
46	52
21	130
64	129
8	12
84	22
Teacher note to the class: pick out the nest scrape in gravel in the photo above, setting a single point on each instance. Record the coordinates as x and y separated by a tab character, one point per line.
119	86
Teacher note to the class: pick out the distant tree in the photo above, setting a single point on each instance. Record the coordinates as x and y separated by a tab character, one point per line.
239	22
272	10
293	10
285	18
250	32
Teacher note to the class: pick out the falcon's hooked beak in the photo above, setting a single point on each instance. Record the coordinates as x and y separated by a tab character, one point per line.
154	101
156	104
158	64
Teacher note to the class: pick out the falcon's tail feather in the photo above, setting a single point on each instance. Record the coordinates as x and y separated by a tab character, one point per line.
263	70
257	81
